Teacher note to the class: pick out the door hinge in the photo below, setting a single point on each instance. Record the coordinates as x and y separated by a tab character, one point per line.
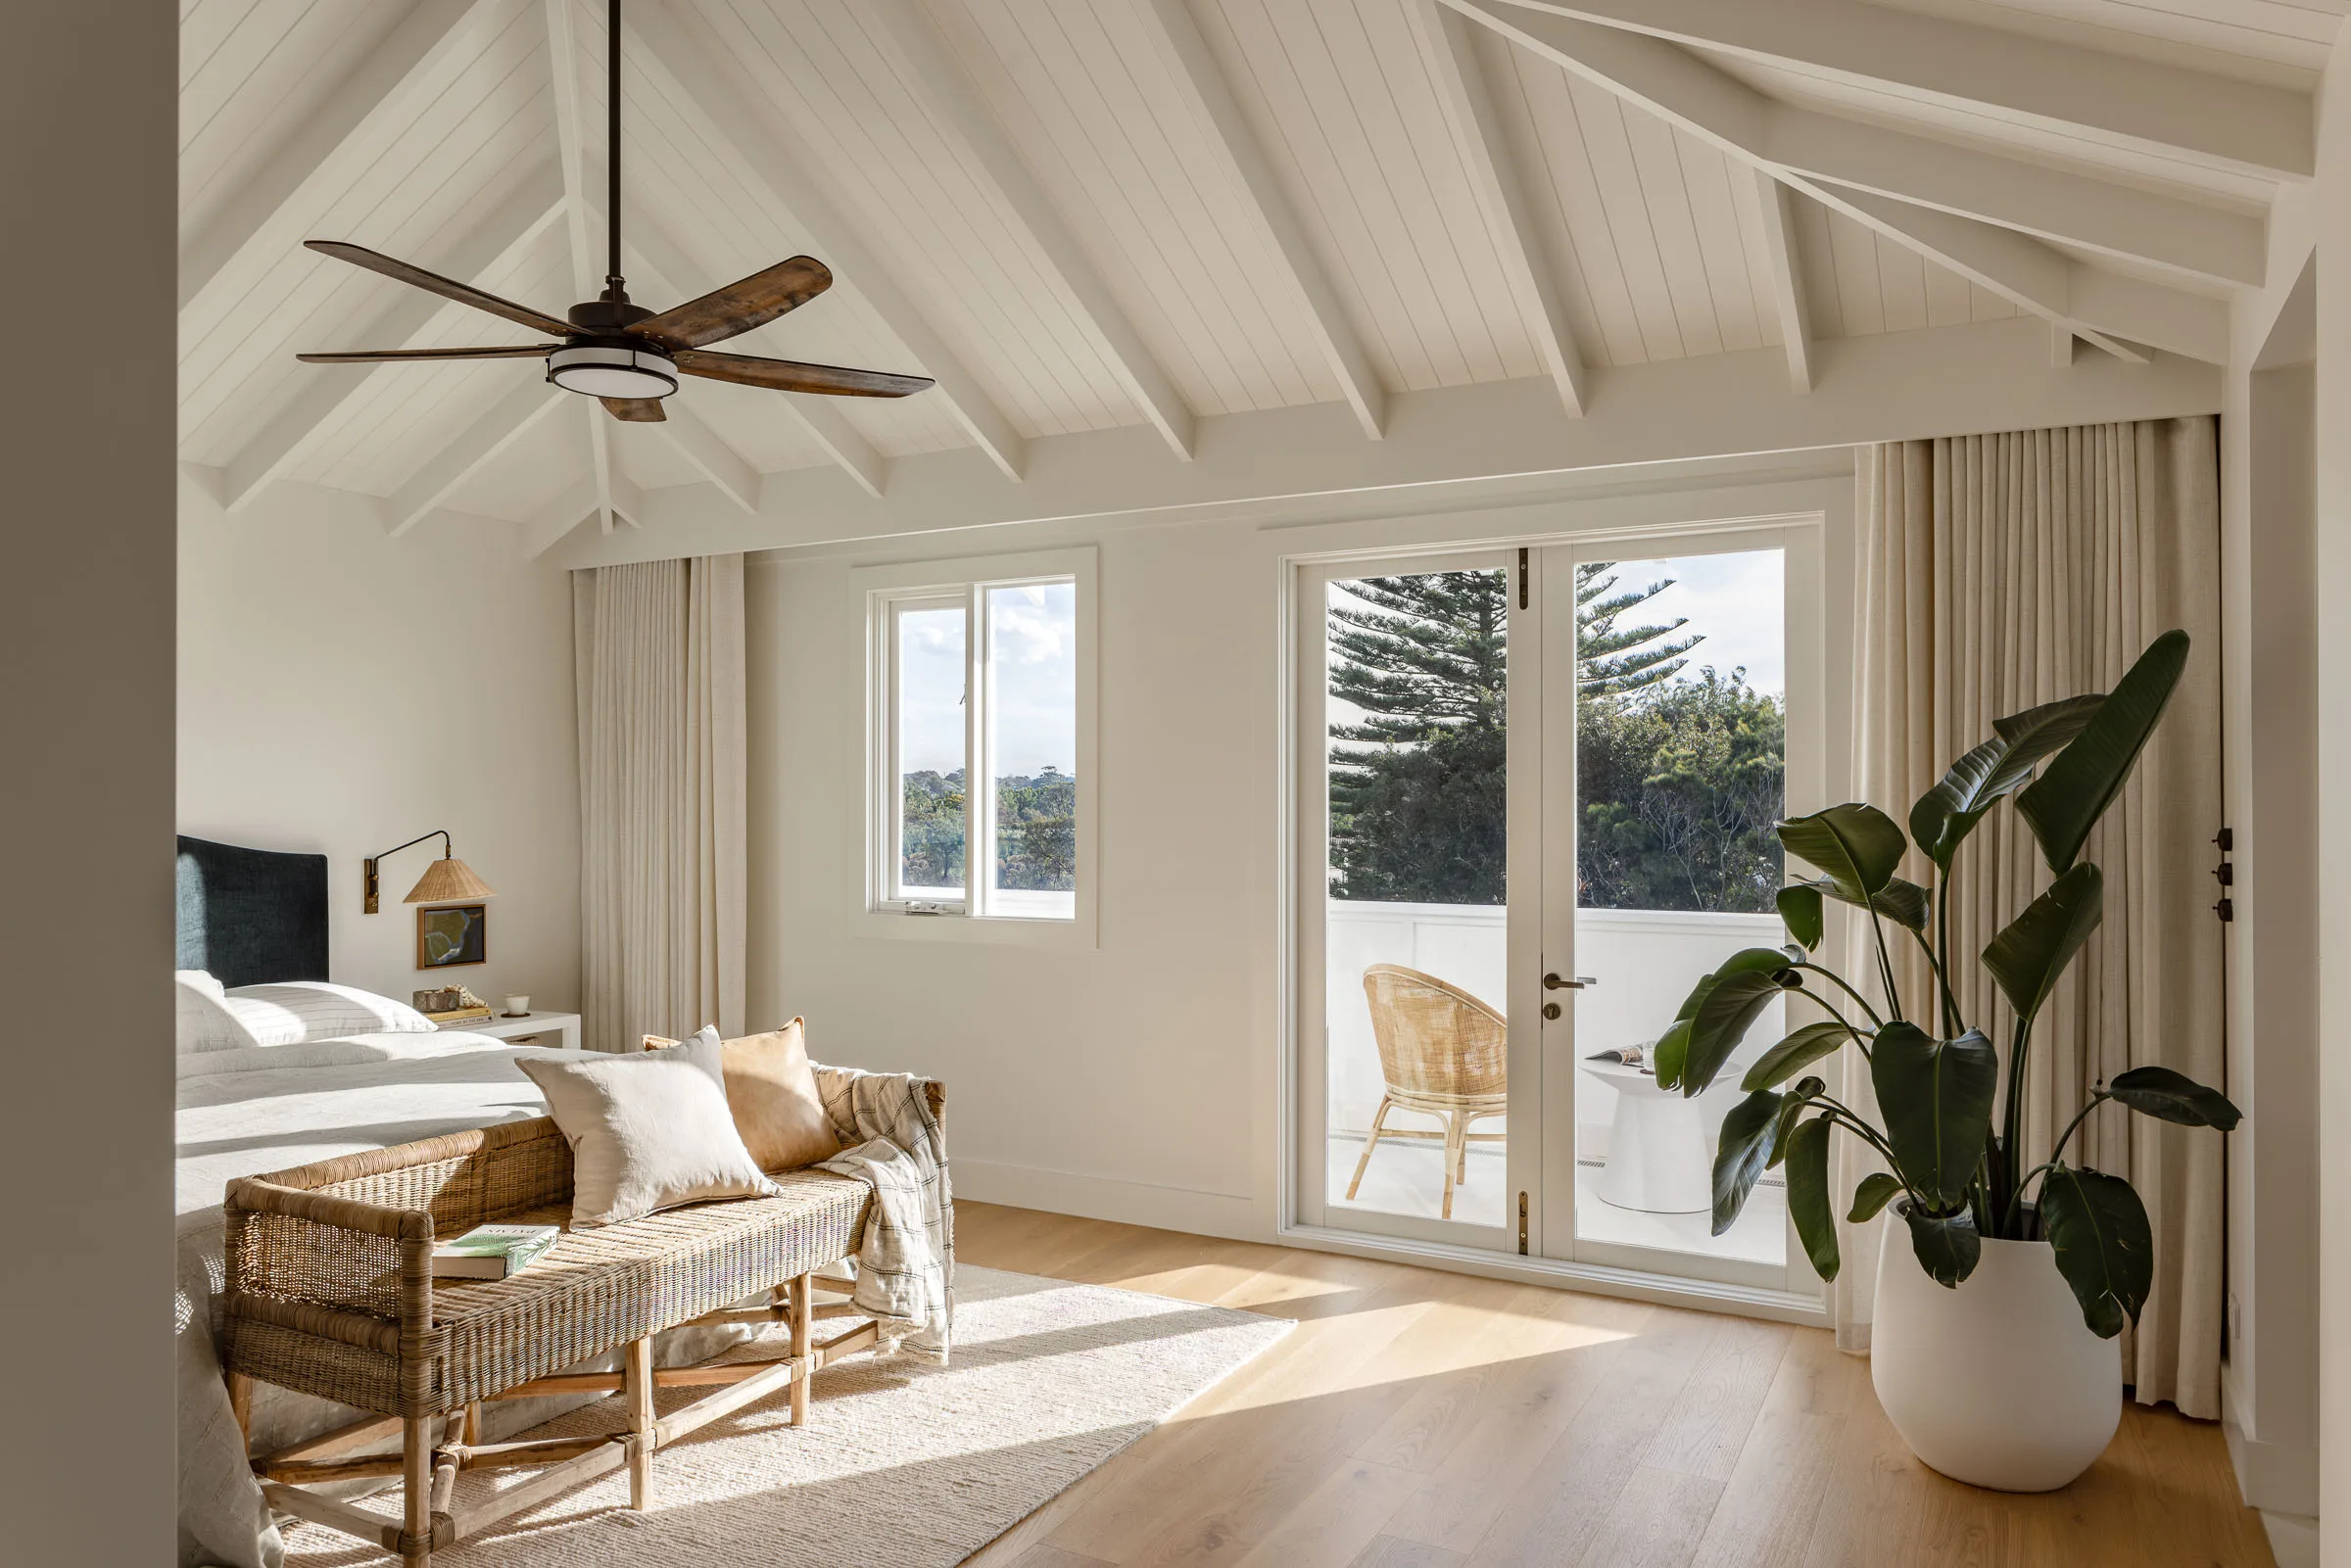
1522	1225
1522	604
2225	873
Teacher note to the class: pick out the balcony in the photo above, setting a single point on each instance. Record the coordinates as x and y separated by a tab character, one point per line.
1645	963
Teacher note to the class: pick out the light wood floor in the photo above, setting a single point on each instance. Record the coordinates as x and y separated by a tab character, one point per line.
1421	1419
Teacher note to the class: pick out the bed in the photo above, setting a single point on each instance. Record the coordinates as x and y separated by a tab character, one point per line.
257	917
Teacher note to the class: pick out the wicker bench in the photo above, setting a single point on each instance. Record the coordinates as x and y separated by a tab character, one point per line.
330	1293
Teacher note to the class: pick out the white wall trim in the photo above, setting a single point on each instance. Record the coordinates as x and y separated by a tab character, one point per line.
1202	1212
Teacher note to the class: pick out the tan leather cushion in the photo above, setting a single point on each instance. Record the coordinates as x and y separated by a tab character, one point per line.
772	1092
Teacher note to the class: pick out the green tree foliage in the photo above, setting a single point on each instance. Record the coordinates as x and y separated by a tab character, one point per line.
1036	831
1680	778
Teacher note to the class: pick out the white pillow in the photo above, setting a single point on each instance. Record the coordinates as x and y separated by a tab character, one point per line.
293	1011
202	1021
647	1130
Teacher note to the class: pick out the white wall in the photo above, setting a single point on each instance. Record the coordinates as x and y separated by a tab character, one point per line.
1137	1080
341	691
88	135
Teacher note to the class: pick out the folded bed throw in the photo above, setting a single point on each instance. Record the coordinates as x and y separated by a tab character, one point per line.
906	1258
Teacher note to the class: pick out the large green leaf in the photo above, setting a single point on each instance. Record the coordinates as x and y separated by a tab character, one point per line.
1665	1058
1791	1107
2065	801
2172	1096
1937	1099
1741	1154
1948	812
1800	912
1857	847
2105	1249
1877	1189
1809	1195
1947	1245
2032	952
1743	988
1901	901
1797	1052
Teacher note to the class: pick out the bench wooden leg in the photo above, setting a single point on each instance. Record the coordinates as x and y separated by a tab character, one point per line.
637	1379
416	1454
803	1326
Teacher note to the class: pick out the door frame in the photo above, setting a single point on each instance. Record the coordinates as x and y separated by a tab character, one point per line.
1826	547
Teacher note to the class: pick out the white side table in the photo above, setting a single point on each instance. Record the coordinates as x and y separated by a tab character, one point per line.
564	1024
1659	1162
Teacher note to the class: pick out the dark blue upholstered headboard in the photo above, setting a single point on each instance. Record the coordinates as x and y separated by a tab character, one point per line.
251	916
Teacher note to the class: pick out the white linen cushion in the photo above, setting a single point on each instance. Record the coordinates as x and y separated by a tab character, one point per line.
201	1020
647	1130
293	1011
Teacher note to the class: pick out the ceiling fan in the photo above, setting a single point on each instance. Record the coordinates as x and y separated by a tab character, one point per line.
617	351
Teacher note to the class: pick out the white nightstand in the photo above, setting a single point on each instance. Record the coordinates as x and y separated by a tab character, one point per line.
564	1024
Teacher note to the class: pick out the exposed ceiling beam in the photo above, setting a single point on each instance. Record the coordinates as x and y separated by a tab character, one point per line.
1457	447
392	87
694	441
1445	44
1777	204
2194	113
2053	204
513	417
1686	91
1178	36
657	251
510	228
944	87
703	80
559	517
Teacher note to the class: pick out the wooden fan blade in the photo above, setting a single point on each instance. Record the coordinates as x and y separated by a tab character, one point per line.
636	410
517	351
448	288
740	305
790	375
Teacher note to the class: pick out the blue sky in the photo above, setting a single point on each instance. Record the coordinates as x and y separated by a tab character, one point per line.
1033	632
1736	599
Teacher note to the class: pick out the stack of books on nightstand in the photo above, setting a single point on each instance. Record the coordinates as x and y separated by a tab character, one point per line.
459	1018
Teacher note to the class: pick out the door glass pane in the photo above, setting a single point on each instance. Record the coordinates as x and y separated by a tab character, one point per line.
1033	749
1415	931
930	750
1680	749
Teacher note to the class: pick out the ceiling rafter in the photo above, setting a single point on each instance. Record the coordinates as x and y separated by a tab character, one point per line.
515	224
414	66
2194	113
547	528
1178	36
942	84
1445	44
1776	204
1687	91
474	447
705	81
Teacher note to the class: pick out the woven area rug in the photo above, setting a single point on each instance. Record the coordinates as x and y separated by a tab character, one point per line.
902	1464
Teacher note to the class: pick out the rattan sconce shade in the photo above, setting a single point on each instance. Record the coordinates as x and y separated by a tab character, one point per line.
448	881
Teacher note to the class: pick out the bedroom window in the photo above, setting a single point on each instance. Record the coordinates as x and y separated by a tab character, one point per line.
981	768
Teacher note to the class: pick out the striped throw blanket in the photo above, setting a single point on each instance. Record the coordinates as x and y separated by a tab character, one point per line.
906	1259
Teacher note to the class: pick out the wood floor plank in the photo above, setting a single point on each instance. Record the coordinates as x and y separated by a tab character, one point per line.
1422	1419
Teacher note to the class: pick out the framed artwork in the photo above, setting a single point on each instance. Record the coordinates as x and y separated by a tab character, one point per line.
451	934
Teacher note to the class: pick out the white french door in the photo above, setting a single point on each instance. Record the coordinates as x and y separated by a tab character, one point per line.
1536	838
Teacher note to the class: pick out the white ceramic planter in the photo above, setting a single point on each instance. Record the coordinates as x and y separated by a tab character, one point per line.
1998	1383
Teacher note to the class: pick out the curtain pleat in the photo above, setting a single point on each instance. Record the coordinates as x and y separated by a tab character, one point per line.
662	726
1997	573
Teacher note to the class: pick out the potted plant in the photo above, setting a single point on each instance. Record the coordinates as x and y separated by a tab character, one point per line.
1995	1355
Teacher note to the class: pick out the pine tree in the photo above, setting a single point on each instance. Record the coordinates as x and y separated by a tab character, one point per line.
1416	796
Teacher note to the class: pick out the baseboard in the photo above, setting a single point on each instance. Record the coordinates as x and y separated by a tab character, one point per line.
2279	1478
2293	1538
1128	1203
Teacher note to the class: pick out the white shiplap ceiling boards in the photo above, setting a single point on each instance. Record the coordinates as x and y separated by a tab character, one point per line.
1220	247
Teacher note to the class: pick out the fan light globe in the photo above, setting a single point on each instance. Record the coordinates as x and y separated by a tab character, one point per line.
598	371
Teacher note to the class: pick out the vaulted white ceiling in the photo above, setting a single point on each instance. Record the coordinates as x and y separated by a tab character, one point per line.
1082	215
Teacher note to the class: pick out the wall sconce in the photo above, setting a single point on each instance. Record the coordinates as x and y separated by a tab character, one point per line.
446	881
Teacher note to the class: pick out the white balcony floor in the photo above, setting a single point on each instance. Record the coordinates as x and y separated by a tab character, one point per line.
1408	1178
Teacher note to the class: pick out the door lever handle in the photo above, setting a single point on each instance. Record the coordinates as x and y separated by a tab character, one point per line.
1551	982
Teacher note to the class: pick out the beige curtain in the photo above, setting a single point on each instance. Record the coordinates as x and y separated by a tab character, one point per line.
663	854
1997	572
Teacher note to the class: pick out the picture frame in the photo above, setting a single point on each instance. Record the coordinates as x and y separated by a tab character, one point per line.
452	936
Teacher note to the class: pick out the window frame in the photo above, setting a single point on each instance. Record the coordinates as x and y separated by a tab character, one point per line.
889	592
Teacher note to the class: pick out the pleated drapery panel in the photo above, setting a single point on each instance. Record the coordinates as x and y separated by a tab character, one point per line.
1997	573
663	737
